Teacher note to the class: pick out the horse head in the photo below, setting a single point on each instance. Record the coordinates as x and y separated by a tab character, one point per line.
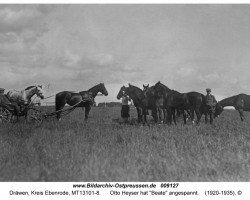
146	90
103	89
34	90
39	91
145	86
218	110
98	88
121	92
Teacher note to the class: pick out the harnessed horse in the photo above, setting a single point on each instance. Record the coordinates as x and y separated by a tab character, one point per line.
73	98
24	96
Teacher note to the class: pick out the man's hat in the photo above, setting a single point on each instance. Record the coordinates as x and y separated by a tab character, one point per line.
208	90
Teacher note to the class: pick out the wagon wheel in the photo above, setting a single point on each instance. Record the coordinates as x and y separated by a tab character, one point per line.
5	115
34	116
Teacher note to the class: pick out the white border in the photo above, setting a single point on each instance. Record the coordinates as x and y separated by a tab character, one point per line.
125	2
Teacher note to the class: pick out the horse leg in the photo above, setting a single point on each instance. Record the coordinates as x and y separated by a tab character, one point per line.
60	101
184	117
206	118
144	115
191	115
198	114
59	108
161	115
139	118
241	114
169	116
155	114
211	117
87	109
174	117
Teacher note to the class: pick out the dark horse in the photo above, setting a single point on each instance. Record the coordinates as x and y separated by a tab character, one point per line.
139	100
156	102
72	98
240	102
173	101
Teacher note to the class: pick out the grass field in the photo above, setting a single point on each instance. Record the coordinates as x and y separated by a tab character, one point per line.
103	150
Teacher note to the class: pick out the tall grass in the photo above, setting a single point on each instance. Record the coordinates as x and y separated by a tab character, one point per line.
103	150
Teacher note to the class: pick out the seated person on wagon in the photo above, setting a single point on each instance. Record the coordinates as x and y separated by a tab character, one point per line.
6	102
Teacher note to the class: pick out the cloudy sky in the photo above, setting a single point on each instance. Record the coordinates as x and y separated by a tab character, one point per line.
74	47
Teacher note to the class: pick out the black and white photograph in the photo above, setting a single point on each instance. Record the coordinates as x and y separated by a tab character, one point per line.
124	92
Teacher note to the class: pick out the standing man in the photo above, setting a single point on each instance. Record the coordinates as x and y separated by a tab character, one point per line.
125	107
210	104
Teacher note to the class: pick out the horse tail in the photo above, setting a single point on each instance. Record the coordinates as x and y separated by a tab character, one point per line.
203	99
57	100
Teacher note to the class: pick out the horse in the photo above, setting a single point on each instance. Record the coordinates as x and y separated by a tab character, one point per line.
176	101
137	96
240	102
156	101
197	105
139	100
73	98
173	100
19	99
24	97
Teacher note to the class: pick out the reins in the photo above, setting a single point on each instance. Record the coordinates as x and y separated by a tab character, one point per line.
49	96
67	110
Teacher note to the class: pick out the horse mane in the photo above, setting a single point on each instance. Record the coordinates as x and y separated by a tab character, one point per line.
135	87
140	92
27	88
229	101
94	86
167	89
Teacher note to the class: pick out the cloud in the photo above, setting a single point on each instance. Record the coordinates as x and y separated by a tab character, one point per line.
104	59
22	24
70	59
16	20
16	78
209	78
21	28
185	72
77	61
187	47
98	61
8	38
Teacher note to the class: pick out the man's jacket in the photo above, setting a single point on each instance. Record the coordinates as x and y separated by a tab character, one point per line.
210	100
